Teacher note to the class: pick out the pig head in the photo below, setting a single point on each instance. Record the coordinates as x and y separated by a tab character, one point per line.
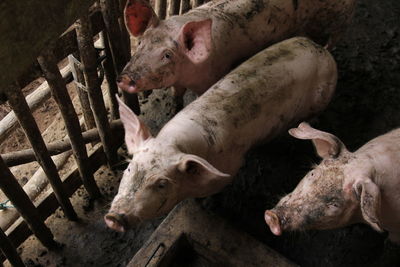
157	179
337	192
164	52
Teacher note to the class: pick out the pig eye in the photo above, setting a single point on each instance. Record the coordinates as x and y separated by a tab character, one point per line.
167	55
162	184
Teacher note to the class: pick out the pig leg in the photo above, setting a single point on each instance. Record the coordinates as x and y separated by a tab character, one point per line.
178	93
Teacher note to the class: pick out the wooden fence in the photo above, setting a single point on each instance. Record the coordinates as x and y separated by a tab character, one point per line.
103	21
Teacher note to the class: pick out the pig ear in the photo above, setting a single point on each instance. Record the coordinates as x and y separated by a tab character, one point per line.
326	144
135	130
201	174
369	196
195	38
139	15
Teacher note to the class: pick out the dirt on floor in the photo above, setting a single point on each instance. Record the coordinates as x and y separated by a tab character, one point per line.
366	104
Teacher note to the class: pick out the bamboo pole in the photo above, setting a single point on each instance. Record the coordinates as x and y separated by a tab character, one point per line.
173	7
185	7
20	200
88	59
9	251
57	147
59	91
18	103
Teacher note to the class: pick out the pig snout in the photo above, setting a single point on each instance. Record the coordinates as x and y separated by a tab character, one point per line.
116	221
273	222
127	84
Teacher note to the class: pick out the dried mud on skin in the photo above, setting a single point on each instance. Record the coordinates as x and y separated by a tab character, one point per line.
365	105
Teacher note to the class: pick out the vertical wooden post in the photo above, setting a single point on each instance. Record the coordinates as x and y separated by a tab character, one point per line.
88	59
58	88
79	81
21	109
109	70
110	16
197	3
173	7
161	8
9	251
21	201
185	6
126	41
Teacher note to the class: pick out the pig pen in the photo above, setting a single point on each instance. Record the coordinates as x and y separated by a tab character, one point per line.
365	105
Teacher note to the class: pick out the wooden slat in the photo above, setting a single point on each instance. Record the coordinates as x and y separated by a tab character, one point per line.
118	49
57	147
185	6
110	13
34	100
9	250
18	103
109	70
19	232
35	185
79	81
66	44
27	27
20	200
161	8
124	32
209	236
196	3
88	59
173	7
59	91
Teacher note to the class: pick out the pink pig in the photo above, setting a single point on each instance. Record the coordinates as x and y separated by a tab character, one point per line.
198	152
345	187
196	49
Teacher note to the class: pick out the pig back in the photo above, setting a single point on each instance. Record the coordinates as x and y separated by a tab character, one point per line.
282	84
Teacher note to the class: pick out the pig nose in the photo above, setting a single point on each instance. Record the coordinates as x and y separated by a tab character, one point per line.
116	221
126	83
273	222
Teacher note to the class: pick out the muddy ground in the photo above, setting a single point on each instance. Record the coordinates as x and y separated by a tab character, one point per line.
366	104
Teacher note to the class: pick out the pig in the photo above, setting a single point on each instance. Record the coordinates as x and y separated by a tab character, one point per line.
199	150
345	188
196	49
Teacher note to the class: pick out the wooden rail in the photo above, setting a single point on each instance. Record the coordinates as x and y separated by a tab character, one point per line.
59	91
9	250
77	44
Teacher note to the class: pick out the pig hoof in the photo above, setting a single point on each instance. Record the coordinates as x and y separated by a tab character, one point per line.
115	221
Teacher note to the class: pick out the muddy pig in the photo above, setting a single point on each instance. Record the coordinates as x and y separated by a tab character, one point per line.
345	187
196	49
199	150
